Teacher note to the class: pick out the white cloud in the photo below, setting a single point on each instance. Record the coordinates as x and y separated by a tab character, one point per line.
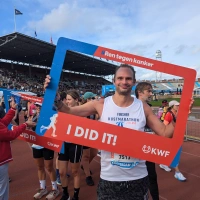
137	27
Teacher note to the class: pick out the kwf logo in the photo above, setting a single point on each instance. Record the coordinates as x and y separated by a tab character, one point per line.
155	151
146	149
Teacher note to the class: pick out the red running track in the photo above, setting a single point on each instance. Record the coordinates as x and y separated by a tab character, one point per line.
25	182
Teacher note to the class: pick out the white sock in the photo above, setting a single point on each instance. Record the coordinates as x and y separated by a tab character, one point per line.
54	185
42	184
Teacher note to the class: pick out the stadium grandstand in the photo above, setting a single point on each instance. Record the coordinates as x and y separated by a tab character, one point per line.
24	62
174	86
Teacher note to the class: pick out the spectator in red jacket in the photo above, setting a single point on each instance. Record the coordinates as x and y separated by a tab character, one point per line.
6	136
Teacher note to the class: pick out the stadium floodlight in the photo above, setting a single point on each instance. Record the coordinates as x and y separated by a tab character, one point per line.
158	57
158	54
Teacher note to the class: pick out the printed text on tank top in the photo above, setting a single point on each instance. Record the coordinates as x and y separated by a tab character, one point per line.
123	117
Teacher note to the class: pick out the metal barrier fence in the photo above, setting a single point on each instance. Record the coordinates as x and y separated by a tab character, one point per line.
193	127
192	131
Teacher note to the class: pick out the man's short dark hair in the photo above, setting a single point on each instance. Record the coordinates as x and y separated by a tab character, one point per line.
164	101
63	95
125	66
141	87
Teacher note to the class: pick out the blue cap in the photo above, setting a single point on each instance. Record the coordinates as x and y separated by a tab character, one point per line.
89	95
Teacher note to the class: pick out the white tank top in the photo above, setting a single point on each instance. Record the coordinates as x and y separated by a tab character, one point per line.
115	167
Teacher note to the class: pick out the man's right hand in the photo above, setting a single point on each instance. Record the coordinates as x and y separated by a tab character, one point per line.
47	81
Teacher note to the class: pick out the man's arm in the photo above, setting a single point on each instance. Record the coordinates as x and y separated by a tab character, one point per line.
90	108
156	125
82	111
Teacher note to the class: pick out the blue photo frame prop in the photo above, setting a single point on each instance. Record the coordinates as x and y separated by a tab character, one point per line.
65	44
7	94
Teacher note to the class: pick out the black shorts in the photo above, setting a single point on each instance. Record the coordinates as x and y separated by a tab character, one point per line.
47	154
123	190
73	153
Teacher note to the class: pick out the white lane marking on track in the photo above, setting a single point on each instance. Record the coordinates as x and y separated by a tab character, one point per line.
190	173
29	145
197	143
162	197
190	154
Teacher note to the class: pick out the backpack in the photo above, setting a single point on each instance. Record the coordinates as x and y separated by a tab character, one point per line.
161	113
174	118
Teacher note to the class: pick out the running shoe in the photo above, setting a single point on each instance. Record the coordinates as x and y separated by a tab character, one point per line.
58	181
53	194
165	167
179	176
40	193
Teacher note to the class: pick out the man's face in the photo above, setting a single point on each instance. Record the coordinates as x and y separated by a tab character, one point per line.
38	108
165	104
71	102
175	108
146	94
124	81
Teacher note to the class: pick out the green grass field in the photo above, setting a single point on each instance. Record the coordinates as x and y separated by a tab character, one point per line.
159	102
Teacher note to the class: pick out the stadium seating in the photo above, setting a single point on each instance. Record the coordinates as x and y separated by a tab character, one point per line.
21	77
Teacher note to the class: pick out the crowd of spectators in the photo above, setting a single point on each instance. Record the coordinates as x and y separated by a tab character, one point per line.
21	80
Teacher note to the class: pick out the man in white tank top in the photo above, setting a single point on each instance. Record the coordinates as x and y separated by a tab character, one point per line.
122	177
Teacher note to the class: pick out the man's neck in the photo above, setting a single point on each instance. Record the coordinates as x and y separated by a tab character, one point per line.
144	100
122	101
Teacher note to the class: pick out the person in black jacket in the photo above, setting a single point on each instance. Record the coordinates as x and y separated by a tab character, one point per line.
143	92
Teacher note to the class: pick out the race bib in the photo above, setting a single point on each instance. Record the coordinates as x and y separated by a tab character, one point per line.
122	161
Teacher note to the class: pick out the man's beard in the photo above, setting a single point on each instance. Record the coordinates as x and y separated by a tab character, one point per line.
149	99
125	92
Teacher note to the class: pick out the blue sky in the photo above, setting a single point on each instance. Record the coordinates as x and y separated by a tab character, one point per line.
134	26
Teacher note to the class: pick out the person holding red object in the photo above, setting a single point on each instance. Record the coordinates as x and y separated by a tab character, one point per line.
6	136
